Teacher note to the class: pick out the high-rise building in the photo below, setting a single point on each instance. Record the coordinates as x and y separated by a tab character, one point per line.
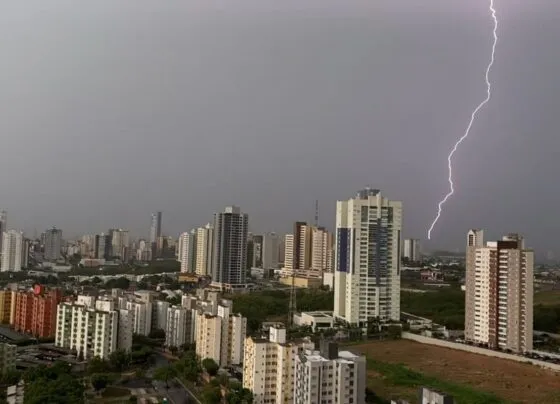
367	258
204	250
53	244
499	292
322	242
270	247
155	227
12	251
3	226
330	376
229	262
103	246
308	248
411	249
257	253
268	366
187	251
119	243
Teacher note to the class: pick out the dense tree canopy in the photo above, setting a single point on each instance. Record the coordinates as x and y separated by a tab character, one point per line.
53	385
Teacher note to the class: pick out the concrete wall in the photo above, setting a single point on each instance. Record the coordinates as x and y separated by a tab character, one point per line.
480	351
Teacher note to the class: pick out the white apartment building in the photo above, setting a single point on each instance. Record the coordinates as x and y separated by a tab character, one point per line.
321	250
367	258
91	330
141	312
222	336
178	327
499	292
411	249
330	376
269	366
12	251
204	250
208	334
187	251
160	311
289	251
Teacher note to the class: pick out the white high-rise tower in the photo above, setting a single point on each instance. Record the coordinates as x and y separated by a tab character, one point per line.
367	258
12	251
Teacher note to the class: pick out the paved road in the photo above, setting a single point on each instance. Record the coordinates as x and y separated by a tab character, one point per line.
177	392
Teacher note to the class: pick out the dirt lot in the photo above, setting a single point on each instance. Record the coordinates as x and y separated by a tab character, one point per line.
510	380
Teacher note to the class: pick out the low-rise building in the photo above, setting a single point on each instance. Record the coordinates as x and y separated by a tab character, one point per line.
317	320
7	357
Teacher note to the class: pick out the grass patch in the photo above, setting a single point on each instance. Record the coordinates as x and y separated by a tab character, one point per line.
400	375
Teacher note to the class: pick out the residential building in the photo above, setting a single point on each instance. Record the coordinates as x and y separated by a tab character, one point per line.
220	336
141	313
7	306
204	250
208	335
159	314
269	365
499	292
411	250
270	248
329	376
35	312
92	330
15	394
367	258
12	251
229	262
53	244
187	251
7	358
177	331
322	242
428	396
308	248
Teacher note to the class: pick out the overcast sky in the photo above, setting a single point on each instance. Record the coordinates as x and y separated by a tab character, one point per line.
112	109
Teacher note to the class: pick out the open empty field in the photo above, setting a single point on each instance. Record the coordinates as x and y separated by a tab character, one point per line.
547	298
508	380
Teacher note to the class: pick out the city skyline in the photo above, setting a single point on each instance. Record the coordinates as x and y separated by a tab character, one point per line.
177	122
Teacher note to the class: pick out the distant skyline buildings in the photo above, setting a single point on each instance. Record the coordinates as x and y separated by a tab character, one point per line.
53	244
13	251
155	227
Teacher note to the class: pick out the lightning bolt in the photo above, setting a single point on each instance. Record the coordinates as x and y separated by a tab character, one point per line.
473	117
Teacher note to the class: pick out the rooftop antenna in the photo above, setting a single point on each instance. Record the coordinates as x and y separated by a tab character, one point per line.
316	213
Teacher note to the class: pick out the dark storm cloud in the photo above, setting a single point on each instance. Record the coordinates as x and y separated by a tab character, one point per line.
113	109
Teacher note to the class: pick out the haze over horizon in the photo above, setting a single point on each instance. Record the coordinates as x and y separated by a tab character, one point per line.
113	110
